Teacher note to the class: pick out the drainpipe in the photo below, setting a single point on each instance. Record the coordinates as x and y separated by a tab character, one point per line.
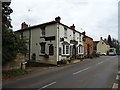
29	43
58	41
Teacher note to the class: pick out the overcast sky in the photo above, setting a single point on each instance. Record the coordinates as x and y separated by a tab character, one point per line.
96	17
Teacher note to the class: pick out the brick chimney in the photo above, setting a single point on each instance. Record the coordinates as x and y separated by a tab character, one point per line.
72	27
57	19
24	25
101	38
105	39
83	33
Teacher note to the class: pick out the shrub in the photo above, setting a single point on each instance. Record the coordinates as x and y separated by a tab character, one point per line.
64	61
46	56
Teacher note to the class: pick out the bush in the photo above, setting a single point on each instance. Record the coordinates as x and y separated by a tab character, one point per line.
95	54
46	56
63	61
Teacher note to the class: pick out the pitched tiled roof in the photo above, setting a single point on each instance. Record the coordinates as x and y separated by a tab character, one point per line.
31	27
106	42
47	23
88	37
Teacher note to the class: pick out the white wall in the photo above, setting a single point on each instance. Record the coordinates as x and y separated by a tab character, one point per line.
69	37
50	30
56	30
102	47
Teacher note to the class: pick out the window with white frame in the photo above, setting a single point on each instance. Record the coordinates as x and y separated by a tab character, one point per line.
77	48
42	47
59	50
43	30
80	49
73	35
80	39
65	50
71	50
51	50
65	32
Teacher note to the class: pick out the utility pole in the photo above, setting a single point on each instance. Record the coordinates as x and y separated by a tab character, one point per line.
29	36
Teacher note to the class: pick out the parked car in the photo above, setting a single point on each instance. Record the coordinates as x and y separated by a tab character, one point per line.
112	52
101	53
118	53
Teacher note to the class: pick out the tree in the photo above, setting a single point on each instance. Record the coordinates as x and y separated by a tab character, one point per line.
11	44
8	50
109	41
116	45
21	45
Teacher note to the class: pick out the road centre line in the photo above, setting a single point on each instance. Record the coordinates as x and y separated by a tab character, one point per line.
80	71
117	77
115	86
49	84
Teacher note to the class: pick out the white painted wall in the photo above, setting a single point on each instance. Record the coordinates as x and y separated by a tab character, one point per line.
69	37
56	30
102	47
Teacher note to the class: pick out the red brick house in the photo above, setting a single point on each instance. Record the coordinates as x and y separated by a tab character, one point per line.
88	46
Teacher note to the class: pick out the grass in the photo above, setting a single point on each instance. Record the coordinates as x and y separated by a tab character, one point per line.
13	73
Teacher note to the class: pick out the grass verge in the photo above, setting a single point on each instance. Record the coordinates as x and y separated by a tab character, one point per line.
13	73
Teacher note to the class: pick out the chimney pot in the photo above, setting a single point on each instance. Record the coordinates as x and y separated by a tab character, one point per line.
24	25
101	38
57	19
84	33
72	27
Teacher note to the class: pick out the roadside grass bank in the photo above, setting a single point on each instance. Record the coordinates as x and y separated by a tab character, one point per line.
13	73
33	66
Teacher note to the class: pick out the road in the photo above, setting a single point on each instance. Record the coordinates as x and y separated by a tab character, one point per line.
97	73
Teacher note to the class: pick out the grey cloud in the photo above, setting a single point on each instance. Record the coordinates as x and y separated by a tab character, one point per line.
91	15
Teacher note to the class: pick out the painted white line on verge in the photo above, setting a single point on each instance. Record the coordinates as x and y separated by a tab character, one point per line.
81	71
100	62
49	84
115	86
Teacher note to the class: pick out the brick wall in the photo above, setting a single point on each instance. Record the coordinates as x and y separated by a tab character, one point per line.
15	64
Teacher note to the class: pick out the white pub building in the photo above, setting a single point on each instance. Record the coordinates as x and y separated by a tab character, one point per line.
52	42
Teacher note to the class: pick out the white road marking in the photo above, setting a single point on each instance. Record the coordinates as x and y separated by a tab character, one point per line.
118	72
80	71
49	84
100	62
117	77
115	85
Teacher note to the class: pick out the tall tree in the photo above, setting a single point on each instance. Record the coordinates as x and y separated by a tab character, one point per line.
11	44
8	50
109	41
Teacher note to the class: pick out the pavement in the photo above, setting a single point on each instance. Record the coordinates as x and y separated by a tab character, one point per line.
95	73
48	67
43	68
117	82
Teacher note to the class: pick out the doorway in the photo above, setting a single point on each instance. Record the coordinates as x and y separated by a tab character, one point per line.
74	52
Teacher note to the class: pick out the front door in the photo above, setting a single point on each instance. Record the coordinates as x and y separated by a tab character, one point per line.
74	52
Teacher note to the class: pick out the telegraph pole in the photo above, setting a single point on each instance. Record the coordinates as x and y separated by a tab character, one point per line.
29	35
